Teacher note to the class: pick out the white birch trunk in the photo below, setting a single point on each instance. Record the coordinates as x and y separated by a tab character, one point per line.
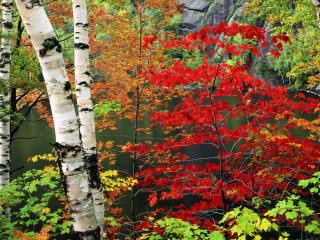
84	102
7	25
72	166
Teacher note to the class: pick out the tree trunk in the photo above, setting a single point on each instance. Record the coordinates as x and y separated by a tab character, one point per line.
68	148
85	106
7	25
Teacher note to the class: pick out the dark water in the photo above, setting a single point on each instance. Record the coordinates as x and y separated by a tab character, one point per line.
36	137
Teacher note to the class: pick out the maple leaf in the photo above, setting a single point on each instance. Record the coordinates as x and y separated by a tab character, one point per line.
152	199
44	233
20	235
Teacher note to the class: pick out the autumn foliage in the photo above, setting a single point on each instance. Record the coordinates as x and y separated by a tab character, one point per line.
206	137
261	157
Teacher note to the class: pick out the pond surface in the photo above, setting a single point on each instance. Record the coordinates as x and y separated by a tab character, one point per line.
36	137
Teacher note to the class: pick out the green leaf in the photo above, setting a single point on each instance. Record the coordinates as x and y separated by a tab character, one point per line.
314	190
291	215
106	107
265	224
313	227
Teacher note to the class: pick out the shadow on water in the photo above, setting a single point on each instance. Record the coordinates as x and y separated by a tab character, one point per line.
34	137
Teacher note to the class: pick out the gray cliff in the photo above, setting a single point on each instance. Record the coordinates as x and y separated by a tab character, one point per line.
198	13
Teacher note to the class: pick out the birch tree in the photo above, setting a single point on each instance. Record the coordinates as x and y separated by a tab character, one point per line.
7	25
68	147
84	102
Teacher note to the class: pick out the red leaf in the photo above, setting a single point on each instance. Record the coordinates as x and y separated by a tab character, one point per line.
153	199
275	53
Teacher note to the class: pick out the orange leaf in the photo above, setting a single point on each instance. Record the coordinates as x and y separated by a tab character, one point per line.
20	235
153	199
44	233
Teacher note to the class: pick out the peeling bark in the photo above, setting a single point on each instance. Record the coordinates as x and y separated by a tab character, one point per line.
84	103
68	147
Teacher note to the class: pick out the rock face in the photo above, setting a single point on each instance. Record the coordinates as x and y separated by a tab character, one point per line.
198	13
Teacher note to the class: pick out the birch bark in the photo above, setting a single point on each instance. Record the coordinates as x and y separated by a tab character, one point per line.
68	147
7	25
84	102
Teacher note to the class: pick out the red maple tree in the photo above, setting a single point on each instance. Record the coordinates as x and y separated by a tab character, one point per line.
259	157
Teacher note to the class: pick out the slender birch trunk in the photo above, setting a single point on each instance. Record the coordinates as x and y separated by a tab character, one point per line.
85	106
68	147
7	25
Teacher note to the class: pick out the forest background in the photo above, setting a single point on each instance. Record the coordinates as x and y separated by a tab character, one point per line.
205	131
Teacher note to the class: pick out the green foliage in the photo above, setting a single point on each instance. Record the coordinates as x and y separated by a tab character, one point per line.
106	107
296	210
313	227
25	69
176	229
312	183
242	222
37	200
174	23
192	58
111	221
6	228
115	4
245	222
4	113
297	18
291	207
298	59
286	15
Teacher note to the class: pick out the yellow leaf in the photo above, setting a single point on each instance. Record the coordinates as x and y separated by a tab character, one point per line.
45	211
48	168
257	237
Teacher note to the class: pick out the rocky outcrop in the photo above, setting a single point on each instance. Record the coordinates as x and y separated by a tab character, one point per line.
198	13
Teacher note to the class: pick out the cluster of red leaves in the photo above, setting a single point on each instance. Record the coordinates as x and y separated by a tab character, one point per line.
209	36
261	157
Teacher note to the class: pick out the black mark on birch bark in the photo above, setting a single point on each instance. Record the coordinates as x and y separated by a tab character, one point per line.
49	44
92	235
86	110
81	46
67	86
7	24
83	83
33	3
91	161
